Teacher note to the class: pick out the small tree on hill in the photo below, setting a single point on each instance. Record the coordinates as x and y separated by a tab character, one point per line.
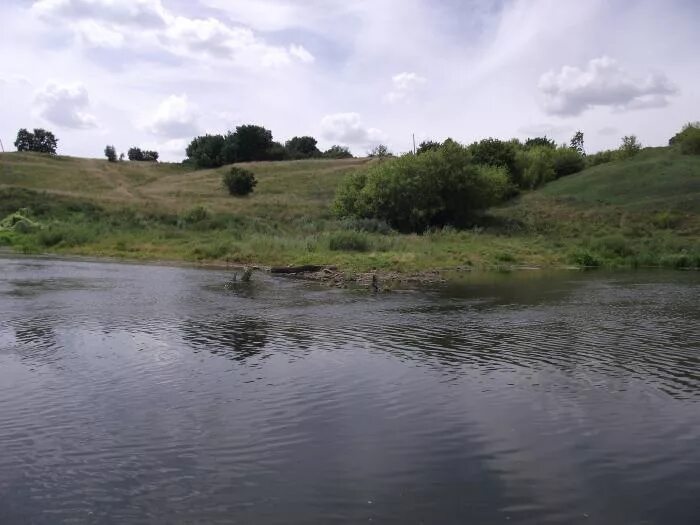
427	145
630	146
251	142
239	181
337	152
302	148
111	153
380	151
577	142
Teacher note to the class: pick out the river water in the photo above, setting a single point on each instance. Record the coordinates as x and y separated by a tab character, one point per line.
150	394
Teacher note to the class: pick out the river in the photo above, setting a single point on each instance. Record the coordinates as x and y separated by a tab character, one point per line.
153	394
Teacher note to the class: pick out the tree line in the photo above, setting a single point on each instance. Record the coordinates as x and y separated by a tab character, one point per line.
250	143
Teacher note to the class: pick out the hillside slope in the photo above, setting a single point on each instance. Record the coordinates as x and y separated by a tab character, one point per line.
643	211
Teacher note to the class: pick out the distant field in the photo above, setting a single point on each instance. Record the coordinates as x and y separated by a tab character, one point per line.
639	212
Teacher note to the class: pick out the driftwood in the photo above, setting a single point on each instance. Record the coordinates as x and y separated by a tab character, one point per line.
305	268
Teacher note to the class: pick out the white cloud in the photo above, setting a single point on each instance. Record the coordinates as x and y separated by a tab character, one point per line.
174	118
65	105
348	129
603	82
141	13
147	26
403	86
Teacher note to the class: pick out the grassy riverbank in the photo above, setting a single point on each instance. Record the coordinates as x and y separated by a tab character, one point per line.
644	211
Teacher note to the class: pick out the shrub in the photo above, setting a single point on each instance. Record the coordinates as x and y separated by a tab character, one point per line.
196	214
350	241
427	145
380	151
540	167
567	161
415	192
690	142
337	152
601	157
239	181
687	128
630	147
495	152
539	142
585	259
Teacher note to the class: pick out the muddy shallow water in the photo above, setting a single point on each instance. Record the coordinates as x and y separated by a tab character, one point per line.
150	394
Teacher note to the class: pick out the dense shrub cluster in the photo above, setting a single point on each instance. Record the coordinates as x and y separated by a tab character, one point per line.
139	155
239	181
40	141
688	139
415	192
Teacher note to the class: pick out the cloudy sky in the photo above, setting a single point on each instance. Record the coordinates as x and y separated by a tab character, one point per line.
155	73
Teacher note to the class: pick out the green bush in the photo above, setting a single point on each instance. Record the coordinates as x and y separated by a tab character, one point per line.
195	215
414	192
499	153
350	241
567	161
602	157
690	142
586	259
540	167
630	147
239	181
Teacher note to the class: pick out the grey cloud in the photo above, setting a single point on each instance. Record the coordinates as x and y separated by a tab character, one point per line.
348	129
65	106
602	82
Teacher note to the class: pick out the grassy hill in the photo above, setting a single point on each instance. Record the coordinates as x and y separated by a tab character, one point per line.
643	211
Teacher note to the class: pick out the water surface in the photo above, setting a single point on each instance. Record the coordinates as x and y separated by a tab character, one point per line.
148	394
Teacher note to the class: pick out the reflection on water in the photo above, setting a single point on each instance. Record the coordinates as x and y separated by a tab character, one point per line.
143	394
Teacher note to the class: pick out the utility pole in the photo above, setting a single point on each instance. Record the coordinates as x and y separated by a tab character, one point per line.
414	143
1	146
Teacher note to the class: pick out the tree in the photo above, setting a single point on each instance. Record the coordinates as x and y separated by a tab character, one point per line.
687	128
540	141
630	146
121	157
150	156
111	153
427	145
380	151
135	154
139	155
41	141
302	148
24	141
540	166
239	181
567	161
251	142
337	152
207	151
577	143
495	152
690	143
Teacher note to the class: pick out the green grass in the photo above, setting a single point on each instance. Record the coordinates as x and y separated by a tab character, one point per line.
644	211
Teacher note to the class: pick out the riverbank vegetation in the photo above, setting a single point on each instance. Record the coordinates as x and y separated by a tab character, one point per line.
639	210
